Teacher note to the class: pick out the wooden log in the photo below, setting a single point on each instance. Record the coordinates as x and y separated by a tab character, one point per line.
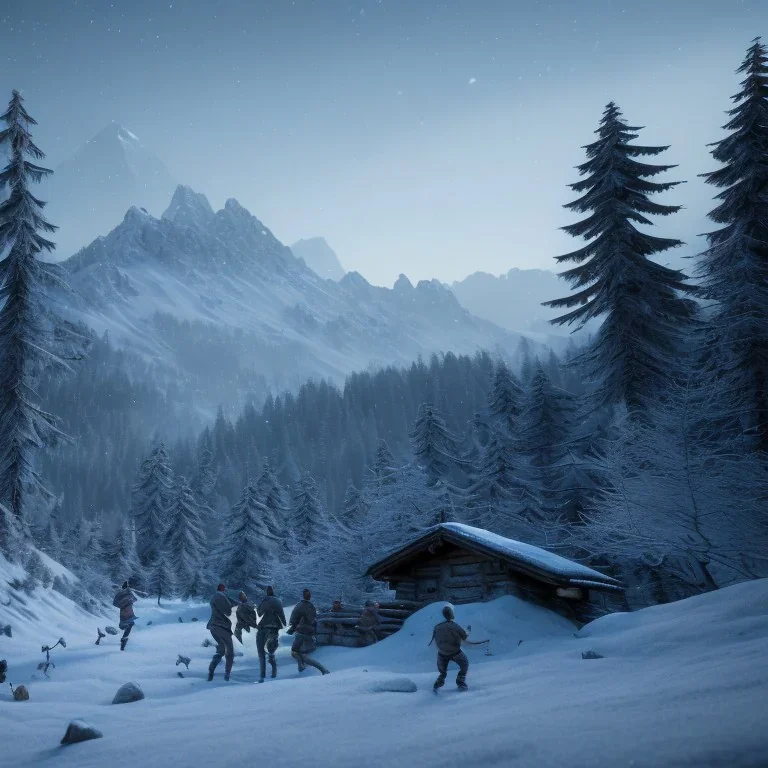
328	619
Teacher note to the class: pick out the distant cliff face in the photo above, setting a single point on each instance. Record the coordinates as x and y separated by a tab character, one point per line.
319	257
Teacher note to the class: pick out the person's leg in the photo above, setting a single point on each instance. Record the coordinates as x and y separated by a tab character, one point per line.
124	638
219	654
229	654
310	662
272	642
298	642
261	639
442	670
461	679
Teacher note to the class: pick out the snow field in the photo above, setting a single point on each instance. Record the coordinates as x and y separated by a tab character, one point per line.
680	685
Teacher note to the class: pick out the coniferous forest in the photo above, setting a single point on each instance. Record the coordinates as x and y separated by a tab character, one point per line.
641	451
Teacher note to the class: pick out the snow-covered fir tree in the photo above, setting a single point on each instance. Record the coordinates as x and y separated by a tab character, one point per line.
271	493
734	268
27	324
355	507
152	495
307	512
505	400
434	446
384	465
247	548
185	541
123	559
632	357
11	538
160	575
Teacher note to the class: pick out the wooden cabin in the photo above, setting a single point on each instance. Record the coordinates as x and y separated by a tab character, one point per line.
461	564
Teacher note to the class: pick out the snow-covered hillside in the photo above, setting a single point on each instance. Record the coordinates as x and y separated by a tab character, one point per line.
215	294
319	257
682	684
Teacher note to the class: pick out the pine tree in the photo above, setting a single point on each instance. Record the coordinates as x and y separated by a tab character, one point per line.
434	447
123	560
160	575
734	268
633	352
204	480
27	324
247	548
11	539
355	507
152	494
307	512
384	464
505	400
185	541
271	494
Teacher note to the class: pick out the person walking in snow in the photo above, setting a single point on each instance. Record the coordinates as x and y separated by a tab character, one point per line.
271	621
448	637
124	600
369	620
246	616
302	623
220	626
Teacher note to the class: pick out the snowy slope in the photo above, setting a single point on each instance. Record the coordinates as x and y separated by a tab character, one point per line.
682	684
233	299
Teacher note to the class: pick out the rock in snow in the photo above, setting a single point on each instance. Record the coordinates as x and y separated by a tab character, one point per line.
394	685
128	693
20	693
78	731
110	630
591	655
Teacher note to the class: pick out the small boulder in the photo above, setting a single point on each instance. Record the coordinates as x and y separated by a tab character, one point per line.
149	623
111	630
3	670
7	630
128	693
181	621
591	655
394	685
194	618
79	730
20	693
207	643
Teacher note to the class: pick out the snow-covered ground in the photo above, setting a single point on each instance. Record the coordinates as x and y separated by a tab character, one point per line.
684	684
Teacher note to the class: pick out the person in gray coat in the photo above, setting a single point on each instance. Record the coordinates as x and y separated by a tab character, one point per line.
448	637
246	616
220	626
302	623
124	600
369	620
272	620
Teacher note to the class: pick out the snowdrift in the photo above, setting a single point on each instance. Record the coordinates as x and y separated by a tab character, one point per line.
678	685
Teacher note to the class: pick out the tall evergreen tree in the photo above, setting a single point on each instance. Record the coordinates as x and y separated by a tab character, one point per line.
434	446
384	465
355	507
160	575
505	400
123	560
734	268
271	493
152	495
632	355
186	541
307	513
27	324
246	551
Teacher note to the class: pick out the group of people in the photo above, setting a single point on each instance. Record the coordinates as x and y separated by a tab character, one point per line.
268	618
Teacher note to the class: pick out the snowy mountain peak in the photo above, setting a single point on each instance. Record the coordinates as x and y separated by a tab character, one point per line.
403	285
189	208
319	257
114	131
355	281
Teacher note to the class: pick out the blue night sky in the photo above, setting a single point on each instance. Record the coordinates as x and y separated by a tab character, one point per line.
431	138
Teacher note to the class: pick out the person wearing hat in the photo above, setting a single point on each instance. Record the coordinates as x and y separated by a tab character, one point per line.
220	626
448	637
302	624
369	620
272	620
124	600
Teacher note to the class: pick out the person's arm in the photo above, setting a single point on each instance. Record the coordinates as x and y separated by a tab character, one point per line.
281	616
294	620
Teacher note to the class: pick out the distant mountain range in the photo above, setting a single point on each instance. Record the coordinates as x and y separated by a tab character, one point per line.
319	257
514	301
91	190
213	300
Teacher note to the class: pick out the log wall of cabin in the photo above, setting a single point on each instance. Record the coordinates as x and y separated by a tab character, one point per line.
459	576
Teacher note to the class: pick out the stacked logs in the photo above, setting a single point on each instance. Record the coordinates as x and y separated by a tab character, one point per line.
338	627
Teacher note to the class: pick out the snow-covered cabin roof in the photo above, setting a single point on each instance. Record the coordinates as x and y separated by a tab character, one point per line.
526	558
